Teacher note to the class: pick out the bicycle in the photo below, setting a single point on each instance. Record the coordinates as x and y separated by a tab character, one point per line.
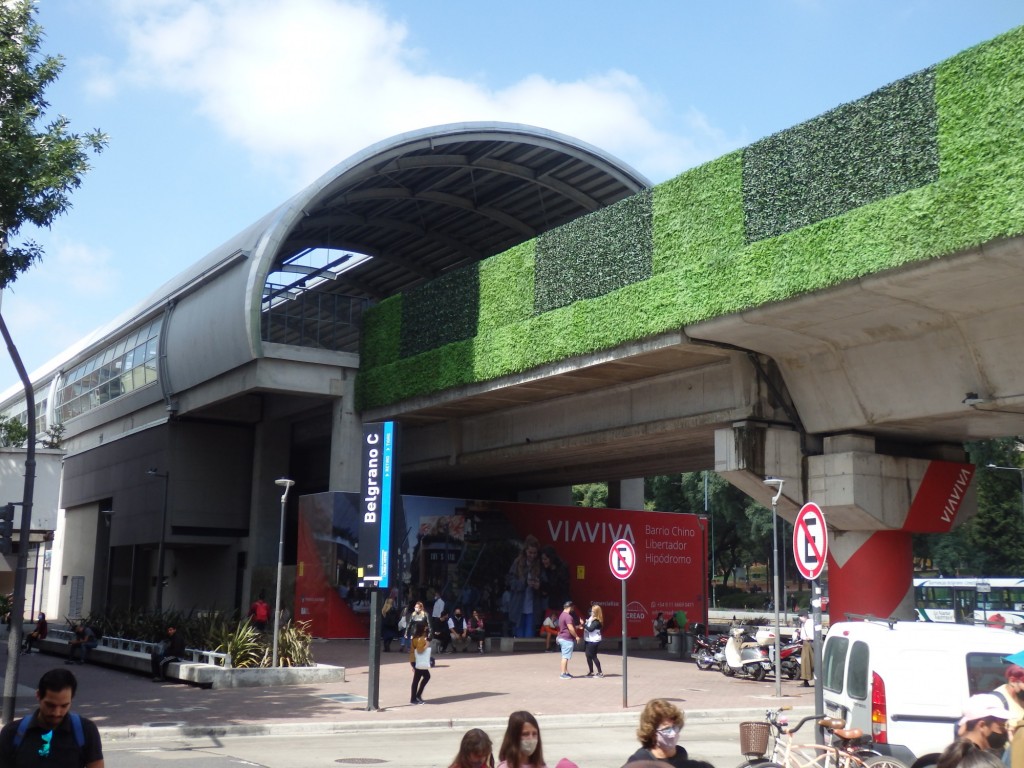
846	748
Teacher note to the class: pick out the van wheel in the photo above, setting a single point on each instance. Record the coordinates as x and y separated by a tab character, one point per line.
884	761
926	761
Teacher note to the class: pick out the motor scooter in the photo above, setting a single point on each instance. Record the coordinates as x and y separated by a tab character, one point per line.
709	651
745	658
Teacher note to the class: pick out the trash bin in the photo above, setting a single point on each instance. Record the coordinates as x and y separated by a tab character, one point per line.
675	644
688	645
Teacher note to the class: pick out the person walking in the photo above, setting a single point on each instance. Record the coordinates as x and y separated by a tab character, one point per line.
661	722
475	750
52	736
419	658
521	747
567	637
259	612
171	648
592	639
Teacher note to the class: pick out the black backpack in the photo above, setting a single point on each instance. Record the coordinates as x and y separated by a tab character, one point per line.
97	633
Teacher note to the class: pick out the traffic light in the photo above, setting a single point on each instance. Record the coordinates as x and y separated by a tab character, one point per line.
6	529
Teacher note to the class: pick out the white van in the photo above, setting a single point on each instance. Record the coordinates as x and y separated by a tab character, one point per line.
905	682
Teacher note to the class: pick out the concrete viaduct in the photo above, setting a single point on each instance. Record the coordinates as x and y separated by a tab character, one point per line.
836	305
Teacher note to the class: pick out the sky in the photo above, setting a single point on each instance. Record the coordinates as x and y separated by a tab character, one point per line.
217	111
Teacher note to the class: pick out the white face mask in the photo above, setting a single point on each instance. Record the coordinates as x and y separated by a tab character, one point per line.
527	746
667	738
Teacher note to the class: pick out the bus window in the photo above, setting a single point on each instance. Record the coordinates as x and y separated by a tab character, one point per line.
965	599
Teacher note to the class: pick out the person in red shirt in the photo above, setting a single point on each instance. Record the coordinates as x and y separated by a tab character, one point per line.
259	612
567	637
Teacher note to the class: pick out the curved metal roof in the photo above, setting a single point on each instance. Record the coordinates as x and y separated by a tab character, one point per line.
438	198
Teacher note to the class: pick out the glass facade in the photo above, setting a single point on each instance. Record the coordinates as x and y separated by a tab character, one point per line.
20	412
312	319
125	366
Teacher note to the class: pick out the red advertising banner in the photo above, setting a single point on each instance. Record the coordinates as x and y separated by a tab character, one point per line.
514	562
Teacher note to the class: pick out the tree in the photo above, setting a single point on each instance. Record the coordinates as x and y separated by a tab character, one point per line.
737	533
13	434
40	163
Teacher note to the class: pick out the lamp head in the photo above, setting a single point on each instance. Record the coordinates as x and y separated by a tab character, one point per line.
284	482
776	483
151	471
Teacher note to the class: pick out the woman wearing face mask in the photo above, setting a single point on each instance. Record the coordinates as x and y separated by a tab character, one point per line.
521	745
474	751
592	639
660	725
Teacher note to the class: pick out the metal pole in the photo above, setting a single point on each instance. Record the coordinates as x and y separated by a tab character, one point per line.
775	576
776	483
286	484
161	547
819	690
625	656
373	687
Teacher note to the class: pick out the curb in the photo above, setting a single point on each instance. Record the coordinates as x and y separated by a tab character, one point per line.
157	733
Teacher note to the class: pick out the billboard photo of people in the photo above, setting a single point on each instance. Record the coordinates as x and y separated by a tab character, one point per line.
513	562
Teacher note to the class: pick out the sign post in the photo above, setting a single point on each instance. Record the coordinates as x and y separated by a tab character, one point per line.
622	561
379	491
810	550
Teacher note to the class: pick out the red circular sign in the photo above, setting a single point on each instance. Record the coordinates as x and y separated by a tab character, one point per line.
622	559
810	541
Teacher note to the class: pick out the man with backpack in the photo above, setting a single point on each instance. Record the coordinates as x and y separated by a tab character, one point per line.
52	736
259	612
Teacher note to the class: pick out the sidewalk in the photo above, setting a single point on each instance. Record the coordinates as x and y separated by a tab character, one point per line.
463	687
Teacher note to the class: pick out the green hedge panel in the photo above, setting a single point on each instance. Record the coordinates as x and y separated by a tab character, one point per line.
595	254
701	267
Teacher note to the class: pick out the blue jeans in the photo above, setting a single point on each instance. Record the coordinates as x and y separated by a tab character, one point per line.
525	628
82	649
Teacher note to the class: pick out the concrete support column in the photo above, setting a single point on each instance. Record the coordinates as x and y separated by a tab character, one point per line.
271	451
561	496
869	572
872	502
346	432
626	494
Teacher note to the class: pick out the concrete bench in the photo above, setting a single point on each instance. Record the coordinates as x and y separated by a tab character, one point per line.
202	670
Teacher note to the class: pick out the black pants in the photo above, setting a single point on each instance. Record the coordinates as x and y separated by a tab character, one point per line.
420	678
592	660
158	663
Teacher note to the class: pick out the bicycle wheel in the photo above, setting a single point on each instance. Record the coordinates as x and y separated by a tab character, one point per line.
759	762
883	761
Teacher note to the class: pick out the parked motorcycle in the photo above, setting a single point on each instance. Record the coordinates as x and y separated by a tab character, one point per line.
744	657
790	662
709	651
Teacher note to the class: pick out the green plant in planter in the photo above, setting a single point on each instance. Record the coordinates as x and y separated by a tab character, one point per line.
243	642
294	645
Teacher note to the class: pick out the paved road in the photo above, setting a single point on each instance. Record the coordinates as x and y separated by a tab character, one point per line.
595	745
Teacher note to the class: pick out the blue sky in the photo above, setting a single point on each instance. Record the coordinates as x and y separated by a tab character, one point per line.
219	110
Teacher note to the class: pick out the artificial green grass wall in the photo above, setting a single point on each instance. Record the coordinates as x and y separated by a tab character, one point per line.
927	166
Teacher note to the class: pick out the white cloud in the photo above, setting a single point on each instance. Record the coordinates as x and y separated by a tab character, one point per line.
307	83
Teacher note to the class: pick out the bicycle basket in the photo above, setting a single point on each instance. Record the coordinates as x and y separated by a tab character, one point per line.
754	739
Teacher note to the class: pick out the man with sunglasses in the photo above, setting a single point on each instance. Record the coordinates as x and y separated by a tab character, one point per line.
52	736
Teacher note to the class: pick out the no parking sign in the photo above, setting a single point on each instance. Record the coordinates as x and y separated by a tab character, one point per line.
810	541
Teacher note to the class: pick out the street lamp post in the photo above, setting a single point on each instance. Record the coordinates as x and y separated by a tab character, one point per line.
163	533
1019	471
776	483
286	484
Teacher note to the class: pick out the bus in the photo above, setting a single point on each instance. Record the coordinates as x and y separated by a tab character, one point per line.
995	601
